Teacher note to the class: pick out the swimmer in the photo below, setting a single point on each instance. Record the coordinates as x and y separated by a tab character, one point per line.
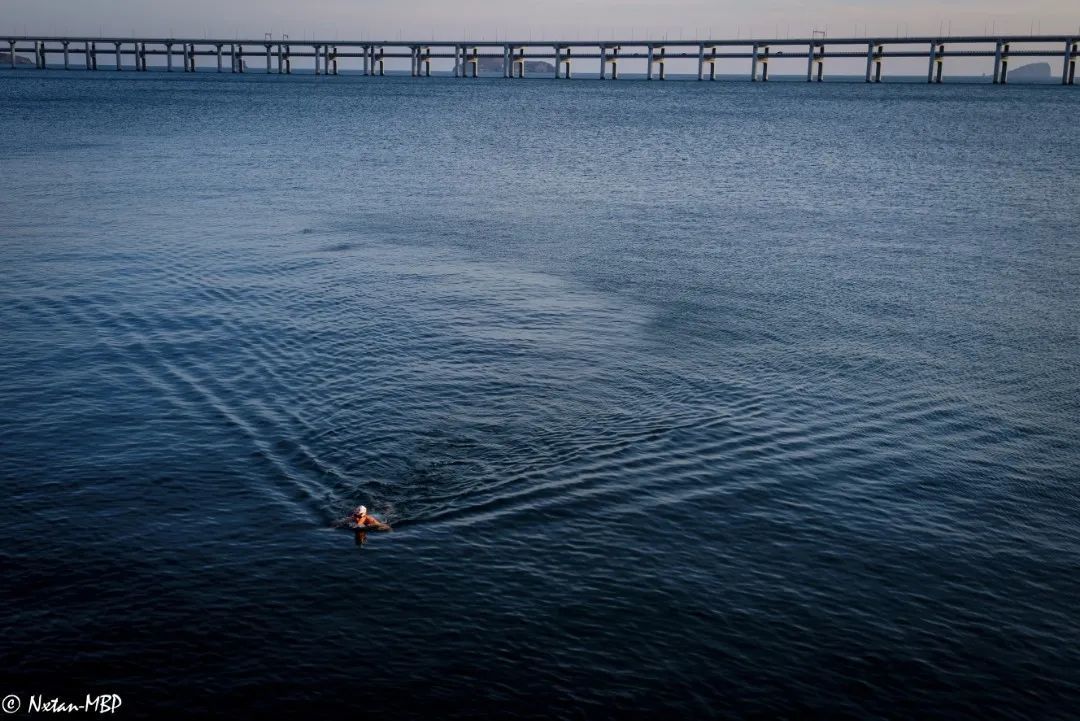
363	521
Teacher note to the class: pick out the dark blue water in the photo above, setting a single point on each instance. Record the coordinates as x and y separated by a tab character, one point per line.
685	400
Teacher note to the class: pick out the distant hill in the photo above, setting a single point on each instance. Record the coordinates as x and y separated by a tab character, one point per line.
495	65
1034	73
5	60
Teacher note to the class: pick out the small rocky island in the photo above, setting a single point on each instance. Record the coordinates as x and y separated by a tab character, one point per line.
5	60
1033	73
495	66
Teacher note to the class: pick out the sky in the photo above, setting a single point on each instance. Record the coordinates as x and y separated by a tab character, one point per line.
566	19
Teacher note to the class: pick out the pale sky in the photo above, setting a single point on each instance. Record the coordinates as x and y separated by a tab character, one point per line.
567	19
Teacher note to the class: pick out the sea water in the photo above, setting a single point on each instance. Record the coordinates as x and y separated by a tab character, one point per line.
684	399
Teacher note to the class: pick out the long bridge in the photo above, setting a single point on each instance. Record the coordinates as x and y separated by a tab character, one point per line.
230	55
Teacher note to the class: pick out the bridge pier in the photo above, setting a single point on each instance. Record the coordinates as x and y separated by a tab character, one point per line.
815	54
937	62
67	64
701	62
997	61
168	57
1003	65
1068	65
760	58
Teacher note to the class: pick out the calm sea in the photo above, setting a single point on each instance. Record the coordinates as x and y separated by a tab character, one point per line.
685	400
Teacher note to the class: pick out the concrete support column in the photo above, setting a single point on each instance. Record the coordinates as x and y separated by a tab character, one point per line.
753	64
810	62
1004	78
940	63
615	63
558	61
1064	63
316	53
93	56
603	62
997	61
933	62
67	63
141	61
280	59
86	53
218	58
869	60
168	57
821	63
649	63
39	54
116	52
11	52
701	62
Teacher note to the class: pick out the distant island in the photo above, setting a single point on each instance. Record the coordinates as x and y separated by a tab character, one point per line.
5	60
495	65
1035	72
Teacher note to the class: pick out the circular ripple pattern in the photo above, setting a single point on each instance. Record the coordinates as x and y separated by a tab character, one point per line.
685	400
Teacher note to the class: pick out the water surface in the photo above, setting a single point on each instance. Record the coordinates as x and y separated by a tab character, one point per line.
685	399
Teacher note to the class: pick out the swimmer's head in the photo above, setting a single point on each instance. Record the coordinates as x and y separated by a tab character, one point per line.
360	511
